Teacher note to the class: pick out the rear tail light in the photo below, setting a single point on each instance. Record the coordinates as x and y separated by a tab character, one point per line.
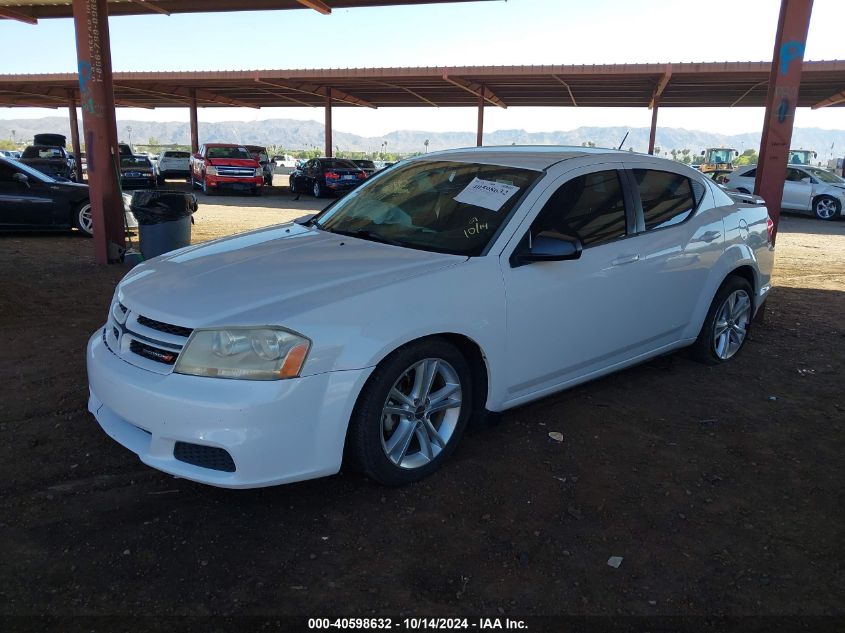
330	175
362	175
770	230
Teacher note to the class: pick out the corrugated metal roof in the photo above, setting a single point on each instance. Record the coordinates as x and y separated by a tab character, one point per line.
721	84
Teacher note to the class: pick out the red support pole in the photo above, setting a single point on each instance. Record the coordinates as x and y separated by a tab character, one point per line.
74	133
479	135
91	22
328	122
653	132
781	100
195	137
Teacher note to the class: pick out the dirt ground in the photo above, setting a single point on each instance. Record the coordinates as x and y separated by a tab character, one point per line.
721	488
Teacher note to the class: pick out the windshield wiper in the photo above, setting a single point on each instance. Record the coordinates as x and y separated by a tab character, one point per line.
367	235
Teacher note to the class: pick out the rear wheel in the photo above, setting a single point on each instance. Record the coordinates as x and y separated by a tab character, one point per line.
726	326
411	413
826	207
84	219
292	185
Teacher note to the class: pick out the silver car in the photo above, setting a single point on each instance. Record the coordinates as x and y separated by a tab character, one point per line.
806	189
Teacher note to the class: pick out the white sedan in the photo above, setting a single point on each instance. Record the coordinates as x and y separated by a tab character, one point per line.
804	189
457	282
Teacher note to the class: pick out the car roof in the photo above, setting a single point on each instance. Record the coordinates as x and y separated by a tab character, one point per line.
537	157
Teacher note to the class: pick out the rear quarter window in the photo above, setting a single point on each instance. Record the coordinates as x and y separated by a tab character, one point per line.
667	198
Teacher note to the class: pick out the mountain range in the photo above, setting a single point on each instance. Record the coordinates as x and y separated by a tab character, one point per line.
297	135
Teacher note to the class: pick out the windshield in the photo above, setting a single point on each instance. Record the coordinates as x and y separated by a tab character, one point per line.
176	155
42	152
134	161
826	176
229	152
366	164
720	155
337	163
442	206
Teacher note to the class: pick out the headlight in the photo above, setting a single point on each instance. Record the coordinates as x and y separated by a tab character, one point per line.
211	171
244	353
259	171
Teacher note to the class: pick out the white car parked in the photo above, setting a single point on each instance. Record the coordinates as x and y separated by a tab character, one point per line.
806	189
457	282
173	164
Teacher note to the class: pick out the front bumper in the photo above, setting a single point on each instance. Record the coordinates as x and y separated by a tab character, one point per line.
275	431
235	183
140	182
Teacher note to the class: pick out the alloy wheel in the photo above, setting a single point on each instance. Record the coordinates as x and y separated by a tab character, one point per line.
731	325
826	208
421	413
85	219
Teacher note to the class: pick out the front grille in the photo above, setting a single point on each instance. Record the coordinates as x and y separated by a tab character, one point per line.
159	355
241	172
164	327
204	456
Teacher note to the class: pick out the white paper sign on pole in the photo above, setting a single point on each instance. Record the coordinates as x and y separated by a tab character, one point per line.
486	193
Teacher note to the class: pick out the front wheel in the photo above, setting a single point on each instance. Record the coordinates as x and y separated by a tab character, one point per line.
726	325
292	185
84	219
411	413
826	207
209	191
317	190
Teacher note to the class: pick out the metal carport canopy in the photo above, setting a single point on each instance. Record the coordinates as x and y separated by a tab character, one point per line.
722	84
32	10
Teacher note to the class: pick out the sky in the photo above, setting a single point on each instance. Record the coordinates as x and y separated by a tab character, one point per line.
501	32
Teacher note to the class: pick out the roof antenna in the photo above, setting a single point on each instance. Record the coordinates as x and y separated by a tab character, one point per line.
623	140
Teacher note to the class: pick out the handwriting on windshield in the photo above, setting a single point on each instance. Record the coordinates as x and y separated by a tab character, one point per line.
475	227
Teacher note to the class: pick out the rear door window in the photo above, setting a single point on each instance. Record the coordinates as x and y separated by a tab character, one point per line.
667	198
590	207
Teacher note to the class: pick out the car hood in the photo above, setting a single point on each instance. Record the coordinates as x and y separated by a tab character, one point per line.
267	276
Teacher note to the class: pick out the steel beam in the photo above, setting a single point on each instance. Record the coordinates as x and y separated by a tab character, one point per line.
661	86
839	97
317	5
6	12
74	133
479	135
192	105
568	89
317	91
655	106
328	107
93	51
781	101
475	89
151	6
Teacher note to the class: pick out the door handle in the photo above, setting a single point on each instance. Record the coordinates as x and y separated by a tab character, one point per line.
710	236
625	259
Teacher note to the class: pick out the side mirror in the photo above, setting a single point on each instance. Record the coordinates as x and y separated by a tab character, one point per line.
702	152
549	246
21	179
807	180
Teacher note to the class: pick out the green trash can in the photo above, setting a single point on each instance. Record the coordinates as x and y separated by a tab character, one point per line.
164	220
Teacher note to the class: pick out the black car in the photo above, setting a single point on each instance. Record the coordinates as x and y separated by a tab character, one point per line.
367	166
322	176
137	172
30	199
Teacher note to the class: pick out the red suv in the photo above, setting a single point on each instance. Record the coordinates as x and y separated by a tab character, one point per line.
223	165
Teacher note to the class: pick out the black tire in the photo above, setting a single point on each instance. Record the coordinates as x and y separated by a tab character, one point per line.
256	191
82	218
192	181
704	348
160	180
317	189
292	185
365	449
826	207
209	191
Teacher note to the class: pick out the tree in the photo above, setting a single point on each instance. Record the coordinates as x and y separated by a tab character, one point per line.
748	157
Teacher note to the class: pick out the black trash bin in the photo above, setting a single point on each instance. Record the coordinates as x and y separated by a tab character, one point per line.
164	220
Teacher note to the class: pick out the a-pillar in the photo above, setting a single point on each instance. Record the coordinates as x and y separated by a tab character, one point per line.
479	135
195	136
328	105
653	132
781	100
74	133
91	23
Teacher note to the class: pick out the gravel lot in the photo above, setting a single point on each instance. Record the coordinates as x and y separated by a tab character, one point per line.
720	488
